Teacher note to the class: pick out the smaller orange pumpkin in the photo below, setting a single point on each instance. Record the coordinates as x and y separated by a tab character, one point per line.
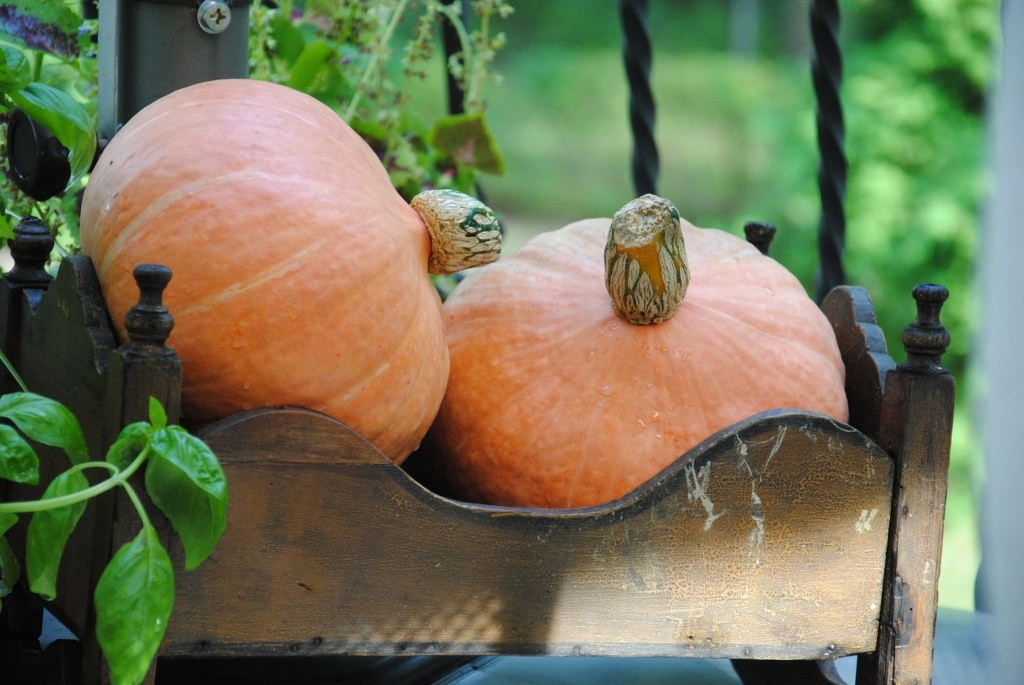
556	399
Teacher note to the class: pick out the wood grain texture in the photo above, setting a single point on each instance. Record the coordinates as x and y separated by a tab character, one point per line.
737	550
916	429
917	420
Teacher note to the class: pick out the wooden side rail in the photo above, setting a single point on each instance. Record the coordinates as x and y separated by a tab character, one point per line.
736	550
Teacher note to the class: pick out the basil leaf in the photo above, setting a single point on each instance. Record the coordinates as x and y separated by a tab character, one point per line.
7	522
18	461
132	439
157	415
133	601
48	533
46	421
15	73
65	118
185	480
10	569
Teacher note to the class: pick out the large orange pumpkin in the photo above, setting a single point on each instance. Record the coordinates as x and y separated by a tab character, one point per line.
556	400
300	274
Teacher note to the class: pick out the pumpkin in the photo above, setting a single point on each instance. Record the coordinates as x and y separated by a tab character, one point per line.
300	274
587	361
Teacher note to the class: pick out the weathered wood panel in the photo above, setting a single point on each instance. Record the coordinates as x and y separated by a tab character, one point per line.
768	541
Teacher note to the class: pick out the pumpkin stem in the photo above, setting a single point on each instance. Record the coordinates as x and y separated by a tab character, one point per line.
464	232
646	270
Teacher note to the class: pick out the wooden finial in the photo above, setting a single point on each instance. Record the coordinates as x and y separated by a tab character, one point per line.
30	248
148	322
760	234
926	339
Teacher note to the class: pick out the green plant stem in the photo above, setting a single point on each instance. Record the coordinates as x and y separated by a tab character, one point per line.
389	31
14	374
137	503
37	66
479	71
119	477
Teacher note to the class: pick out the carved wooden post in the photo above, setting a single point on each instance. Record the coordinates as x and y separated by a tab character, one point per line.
141	368
916	424
145	366
24	283
20	290
31	249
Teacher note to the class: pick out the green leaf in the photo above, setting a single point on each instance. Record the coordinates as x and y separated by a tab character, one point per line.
18	461
48	25
15	72
46	421
373	132
467	139
157	415
65	118
133	601
287	37
7	522
186	482
6	230
132	439
48	533
309	64
10	569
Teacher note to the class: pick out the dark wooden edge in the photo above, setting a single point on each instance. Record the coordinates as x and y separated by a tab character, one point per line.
76	276
864	351
297	435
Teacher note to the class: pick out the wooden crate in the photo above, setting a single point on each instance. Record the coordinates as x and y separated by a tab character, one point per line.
785	540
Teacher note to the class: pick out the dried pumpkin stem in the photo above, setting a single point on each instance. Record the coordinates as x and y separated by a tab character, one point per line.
646	270
464	232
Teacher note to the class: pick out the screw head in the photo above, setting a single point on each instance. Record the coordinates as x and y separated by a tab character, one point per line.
214	16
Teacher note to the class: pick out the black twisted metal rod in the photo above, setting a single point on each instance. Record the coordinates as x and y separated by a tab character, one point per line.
827	75
456	95
637	55
452	46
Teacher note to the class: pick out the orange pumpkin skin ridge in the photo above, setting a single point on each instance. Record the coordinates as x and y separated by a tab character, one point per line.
299	272
553	400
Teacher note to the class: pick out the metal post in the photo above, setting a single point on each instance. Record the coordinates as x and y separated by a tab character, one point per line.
149	48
